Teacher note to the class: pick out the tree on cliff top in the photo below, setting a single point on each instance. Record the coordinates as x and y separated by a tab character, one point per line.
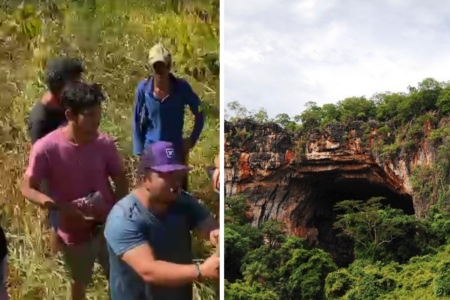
429	95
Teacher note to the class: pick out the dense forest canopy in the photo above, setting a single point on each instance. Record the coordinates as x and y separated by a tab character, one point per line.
408	259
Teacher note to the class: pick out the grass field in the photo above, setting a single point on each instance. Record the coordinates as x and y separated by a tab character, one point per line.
112	38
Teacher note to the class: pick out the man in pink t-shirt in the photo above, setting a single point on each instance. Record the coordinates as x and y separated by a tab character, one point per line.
76	161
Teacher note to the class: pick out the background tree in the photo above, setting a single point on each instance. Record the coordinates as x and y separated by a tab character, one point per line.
311	116
261	116
371	227
282	119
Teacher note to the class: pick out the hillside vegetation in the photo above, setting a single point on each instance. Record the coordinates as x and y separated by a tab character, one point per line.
396	256
112	38
429	97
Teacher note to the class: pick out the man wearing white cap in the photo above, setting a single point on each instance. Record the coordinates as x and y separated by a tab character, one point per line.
160	106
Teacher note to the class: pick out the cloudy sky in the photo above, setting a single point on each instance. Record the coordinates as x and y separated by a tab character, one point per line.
279	54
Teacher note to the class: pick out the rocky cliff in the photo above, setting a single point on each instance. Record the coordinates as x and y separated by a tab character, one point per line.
297	178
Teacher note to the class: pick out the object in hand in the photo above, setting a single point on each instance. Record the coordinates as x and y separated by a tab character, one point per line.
92	206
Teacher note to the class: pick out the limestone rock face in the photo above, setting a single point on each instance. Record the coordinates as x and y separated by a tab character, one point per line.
297	178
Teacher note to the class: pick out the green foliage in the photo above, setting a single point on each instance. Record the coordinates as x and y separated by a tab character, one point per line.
390	151
304	274
338	283
236	247
369	226
356	109
282	119
441	283
256	272
241	112
424	277
424	187
397	257
274	232
311	116
236	209
384	130
241	291
443	102
331	114
419	103
431	182
276	267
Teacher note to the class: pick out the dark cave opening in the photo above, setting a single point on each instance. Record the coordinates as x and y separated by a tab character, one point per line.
329	192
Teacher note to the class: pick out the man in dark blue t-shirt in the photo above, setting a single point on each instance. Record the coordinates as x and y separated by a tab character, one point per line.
148	233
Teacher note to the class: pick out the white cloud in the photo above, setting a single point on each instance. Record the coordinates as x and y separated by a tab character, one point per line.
281	54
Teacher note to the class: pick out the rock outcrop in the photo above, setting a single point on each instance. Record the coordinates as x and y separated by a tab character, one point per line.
298	178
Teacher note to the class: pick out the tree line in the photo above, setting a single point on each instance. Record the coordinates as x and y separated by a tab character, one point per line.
400	108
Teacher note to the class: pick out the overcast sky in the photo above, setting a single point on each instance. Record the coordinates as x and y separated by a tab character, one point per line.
279	54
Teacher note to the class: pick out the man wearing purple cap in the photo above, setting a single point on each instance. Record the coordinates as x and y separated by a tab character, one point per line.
148	233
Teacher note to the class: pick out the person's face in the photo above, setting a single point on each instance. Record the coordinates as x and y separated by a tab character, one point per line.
161	70
166	187
88	120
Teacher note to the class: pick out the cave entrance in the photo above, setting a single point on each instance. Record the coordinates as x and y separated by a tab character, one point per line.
331	191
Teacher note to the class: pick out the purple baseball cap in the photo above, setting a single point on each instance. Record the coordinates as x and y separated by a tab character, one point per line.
161	157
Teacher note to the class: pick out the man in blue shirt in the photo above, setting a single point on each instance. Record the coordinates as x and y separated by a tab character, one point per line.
148	233
160	106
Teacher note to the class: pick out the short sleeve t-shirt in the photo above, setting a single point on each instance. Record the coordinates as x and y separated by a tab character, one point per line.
72	172
44	119
130	224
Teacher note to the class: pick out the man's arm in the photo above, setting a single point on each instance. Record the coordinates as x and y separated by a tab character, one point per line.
159	272
200	218
194	103
30	190
126	238
116	170
35	173
138	135
205	228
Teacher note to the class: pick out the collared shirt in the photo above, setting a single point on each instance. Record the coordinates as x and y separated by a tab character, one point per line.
164	120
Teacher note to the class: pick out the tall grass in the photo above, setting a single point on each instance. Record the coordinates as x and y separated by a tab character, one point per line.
112	38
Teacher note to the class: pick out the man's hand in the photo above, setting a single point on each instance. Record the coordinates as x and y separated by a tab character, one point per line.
210	269
214	237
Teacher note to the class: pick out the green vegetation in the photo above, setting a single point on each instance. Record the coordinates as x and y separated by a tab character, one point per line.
396	256
398	108
112	38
